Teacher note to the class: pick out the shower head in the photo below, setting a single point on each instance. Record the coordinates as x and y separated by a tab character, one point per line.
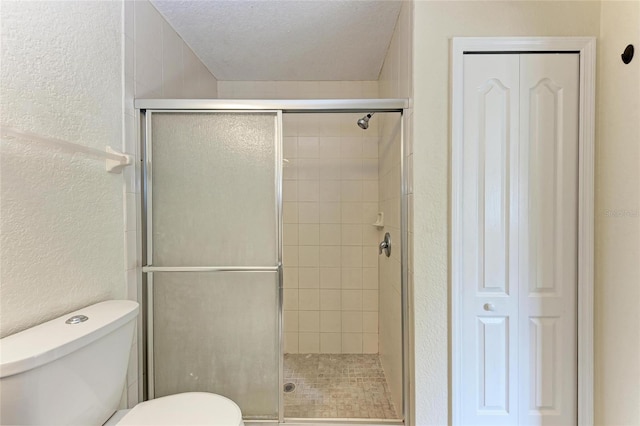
363	123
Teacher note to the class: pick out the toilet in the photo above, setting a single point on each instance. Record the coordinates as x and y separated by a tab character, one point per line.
72	370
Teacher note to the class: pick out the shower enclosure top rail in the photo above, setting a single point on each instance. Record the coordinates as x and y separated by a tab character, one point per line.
286	105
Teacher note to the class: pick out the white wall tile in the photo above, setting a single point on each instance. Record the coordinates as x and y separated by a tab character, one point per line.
290	277
131	249
330	278
352	343
370	343
329	146
309	234
370	257
308	125
148	30
172	66
308	212
330	234
351	234
351	255
308	278
290	321
309	299
290	299
289	191
352	213
289	144
290	169
132	371
309	321
352	278
309	343
308	147
370	190
330	212
370	278
370	322
309	256
132	285
291	342
351	191
132	395
330	191
290	212
308	190
329	301
351	300
370	300
130	208
148	76
290	256
290	234
352	321
369	213
331	343
329	169
330	256
191	65
351	169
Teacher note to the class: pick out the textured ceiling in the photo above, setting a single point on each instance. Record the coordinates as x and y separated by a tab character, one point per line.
286	40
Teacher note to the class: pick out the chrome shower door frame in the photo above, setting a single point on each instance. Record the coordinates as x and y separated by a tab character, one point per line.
149	269
148	106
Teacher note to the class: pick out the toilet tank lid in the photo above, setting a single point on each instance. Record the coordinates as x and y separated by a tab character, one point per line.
54	339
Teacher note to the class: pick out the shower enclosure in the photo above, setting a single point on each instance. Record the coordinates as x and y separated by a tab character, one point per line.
213	247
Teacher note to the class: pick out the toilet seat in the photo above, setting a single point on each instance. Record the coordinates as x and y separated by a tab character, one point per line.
185	409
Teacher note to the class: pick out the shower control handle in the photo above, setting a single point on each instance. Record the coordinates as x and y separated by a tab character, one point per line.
385	245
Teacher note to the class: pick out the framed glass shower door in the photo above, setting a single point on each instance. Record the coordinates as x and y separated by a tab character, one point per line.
213	255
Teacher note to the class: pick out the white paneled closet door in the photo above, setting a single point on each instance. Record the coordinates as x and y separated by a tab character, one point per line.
519	232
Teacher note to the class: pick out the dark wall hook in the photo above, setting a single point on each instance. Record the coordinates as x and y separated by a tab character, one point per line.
627	55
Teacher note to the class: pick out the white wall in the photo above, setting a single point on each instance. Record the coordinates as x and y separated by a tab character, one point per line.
617	215
435	22
395	82
61	215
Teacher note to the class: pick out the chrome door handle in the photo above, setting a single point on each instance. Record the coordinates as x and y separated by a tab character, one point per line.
385	245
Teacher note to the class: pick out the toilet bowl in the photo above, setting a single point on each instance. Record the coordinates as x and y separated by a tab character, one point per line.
190	408
78	365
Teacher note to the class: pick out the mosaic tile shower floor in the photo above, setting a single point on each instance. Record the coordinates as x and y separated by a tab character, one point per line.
337	386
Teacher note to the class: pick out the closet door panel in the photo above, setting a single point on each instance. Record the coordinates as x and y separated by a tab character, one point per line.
489	253
549	91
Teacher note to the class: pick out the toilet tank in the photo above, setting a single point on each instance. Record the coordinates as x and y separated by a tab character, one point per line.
67	374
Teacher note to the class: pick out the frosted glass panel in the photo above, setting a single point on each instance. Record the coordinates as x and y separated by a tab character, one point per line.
217	332
214	198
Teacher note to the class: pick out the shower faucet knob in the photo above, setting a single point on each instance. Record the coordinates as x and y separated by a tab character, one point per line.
385	245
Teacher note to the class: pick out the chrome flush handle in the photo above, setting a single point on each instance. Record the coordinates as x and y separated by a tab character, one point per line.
385	245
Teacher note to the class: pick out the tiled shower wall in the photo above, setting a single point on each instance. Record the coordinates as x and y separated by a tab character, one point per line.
330	197
330	200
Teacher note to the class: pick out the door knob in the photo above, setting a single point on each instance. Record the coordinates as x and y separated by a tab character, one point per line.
489	307
385	245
